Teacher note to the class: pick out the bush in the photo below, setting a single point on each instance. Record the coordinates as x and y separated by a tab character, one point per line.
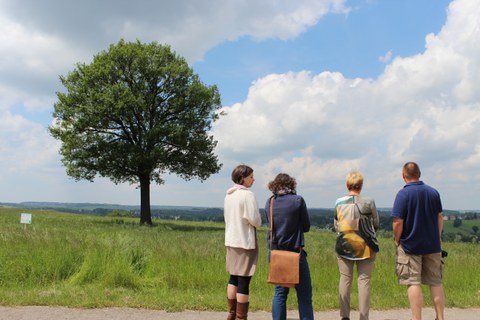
457	223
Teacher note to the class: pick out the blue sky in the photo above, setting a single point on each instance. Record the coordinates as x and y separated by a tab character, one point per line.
312	88
349	43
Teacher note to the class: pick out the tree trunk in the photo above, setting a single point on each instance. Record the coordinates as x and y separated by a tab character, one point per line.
145	213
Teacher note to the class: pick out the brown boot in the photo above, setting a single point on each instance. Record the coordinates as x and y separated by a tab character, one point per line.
242	311
232	309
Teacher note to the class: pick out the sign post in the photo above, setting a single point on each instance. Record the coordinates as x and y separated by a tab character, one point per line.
25	218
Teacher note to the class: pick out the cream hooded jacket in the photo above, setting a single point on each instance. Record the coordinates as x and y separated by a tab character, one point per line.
242	217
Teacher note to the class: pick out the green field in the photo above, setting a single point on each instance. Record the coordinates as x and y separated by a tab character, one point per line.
90	262
464	228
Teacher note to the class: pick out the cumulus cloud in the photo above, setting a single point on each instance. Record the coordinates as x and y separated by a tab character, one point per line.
42	40
24	145
386	58
424	107
318	126
190	26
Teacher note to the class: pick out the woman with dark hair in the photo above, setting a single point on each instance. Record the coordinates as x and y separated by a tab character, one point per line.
242	217
290	222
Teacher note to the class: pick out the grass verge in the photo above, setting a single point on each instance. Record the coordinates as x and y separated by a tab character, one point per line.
91	262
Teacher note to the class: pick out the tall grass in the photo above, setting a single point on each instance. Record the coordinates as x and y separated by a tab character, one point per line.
88	261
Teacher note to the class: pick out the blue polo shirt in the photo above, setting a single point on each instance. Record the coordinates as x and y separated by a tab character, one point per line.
418	205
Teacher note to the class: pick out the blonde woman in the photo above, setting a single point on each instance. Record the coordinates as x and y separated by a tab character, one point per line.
356	220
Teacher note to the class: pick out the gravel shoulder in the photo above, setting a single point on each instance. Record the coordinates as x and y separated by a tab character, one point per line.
61	313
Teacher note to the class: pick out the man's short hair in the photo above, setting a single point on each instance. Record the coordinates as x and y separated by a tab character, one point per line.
411	170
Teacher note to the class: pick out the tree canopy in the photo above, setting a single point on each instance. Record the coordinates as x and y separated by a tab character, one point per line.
136	112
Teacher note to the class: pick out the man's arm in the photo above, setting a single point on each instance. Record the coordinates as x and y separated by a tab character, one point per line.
398	229
440	224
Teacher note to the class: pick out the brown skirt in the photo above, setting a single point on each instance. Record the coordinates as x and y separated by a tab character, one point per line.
241	262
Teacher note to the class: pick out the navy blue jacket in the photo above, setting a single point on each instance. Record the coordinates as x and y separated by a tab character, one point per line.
290	221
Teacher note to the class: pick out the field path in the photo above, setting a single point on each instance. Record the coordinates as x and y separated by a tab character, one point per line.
61	313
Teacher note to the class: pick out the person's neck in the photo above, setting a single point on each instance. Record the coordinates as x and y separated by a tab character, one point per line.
353	193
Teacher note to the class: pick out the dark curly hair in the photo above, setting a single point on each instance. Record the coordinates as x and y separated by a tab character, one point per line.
282	182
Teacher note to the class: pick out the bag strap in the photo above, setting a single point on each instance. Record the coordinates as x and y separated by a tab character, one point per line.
271	222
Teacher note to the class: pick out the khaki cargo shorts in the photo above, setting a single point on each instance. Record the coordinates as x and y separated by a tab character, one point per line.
419	269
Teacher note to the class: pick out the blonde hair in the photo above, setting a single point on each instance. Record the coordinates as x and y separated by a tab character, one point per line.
354	181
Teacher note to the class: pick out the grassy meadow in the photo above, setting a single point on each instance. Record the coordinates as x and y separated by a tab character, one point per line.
91	262
465	227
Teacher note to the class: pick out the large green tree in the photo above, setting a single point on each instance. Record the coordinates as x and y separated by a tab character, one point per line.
135	113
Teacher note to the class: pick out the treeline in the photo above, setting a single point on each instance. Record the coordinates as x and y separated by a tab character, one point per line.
460	226
319	218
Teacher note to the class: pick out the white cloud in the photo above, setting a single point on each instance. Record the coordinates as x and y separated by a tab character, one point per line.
423	108
386	58
31	169
42	40
190	26
30	65
25	146
317	127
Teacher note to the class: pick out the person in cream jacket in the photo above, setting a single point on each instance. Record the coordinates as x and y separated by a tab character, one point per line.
242	218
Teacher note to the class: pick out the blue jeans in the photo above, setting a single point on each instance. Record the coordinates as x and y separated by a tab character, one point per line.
304	295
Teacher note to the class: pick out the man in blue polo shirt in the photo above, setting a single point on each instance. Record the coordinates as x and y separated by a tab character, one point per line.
417	228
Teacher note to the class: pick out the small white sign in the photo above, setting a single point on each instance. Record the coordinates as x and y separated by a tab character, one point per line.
26	218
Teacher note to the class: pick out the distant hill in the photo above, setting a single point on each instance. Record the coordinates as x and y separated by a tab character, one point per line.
103	209
85	207
320	217
106	208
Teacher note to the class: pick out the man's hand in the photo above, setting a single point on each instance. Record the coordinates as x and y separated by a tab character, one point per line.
397	230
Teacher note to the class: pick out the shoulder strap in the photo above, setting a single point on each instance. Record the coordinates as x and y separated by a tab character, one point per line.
271	221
